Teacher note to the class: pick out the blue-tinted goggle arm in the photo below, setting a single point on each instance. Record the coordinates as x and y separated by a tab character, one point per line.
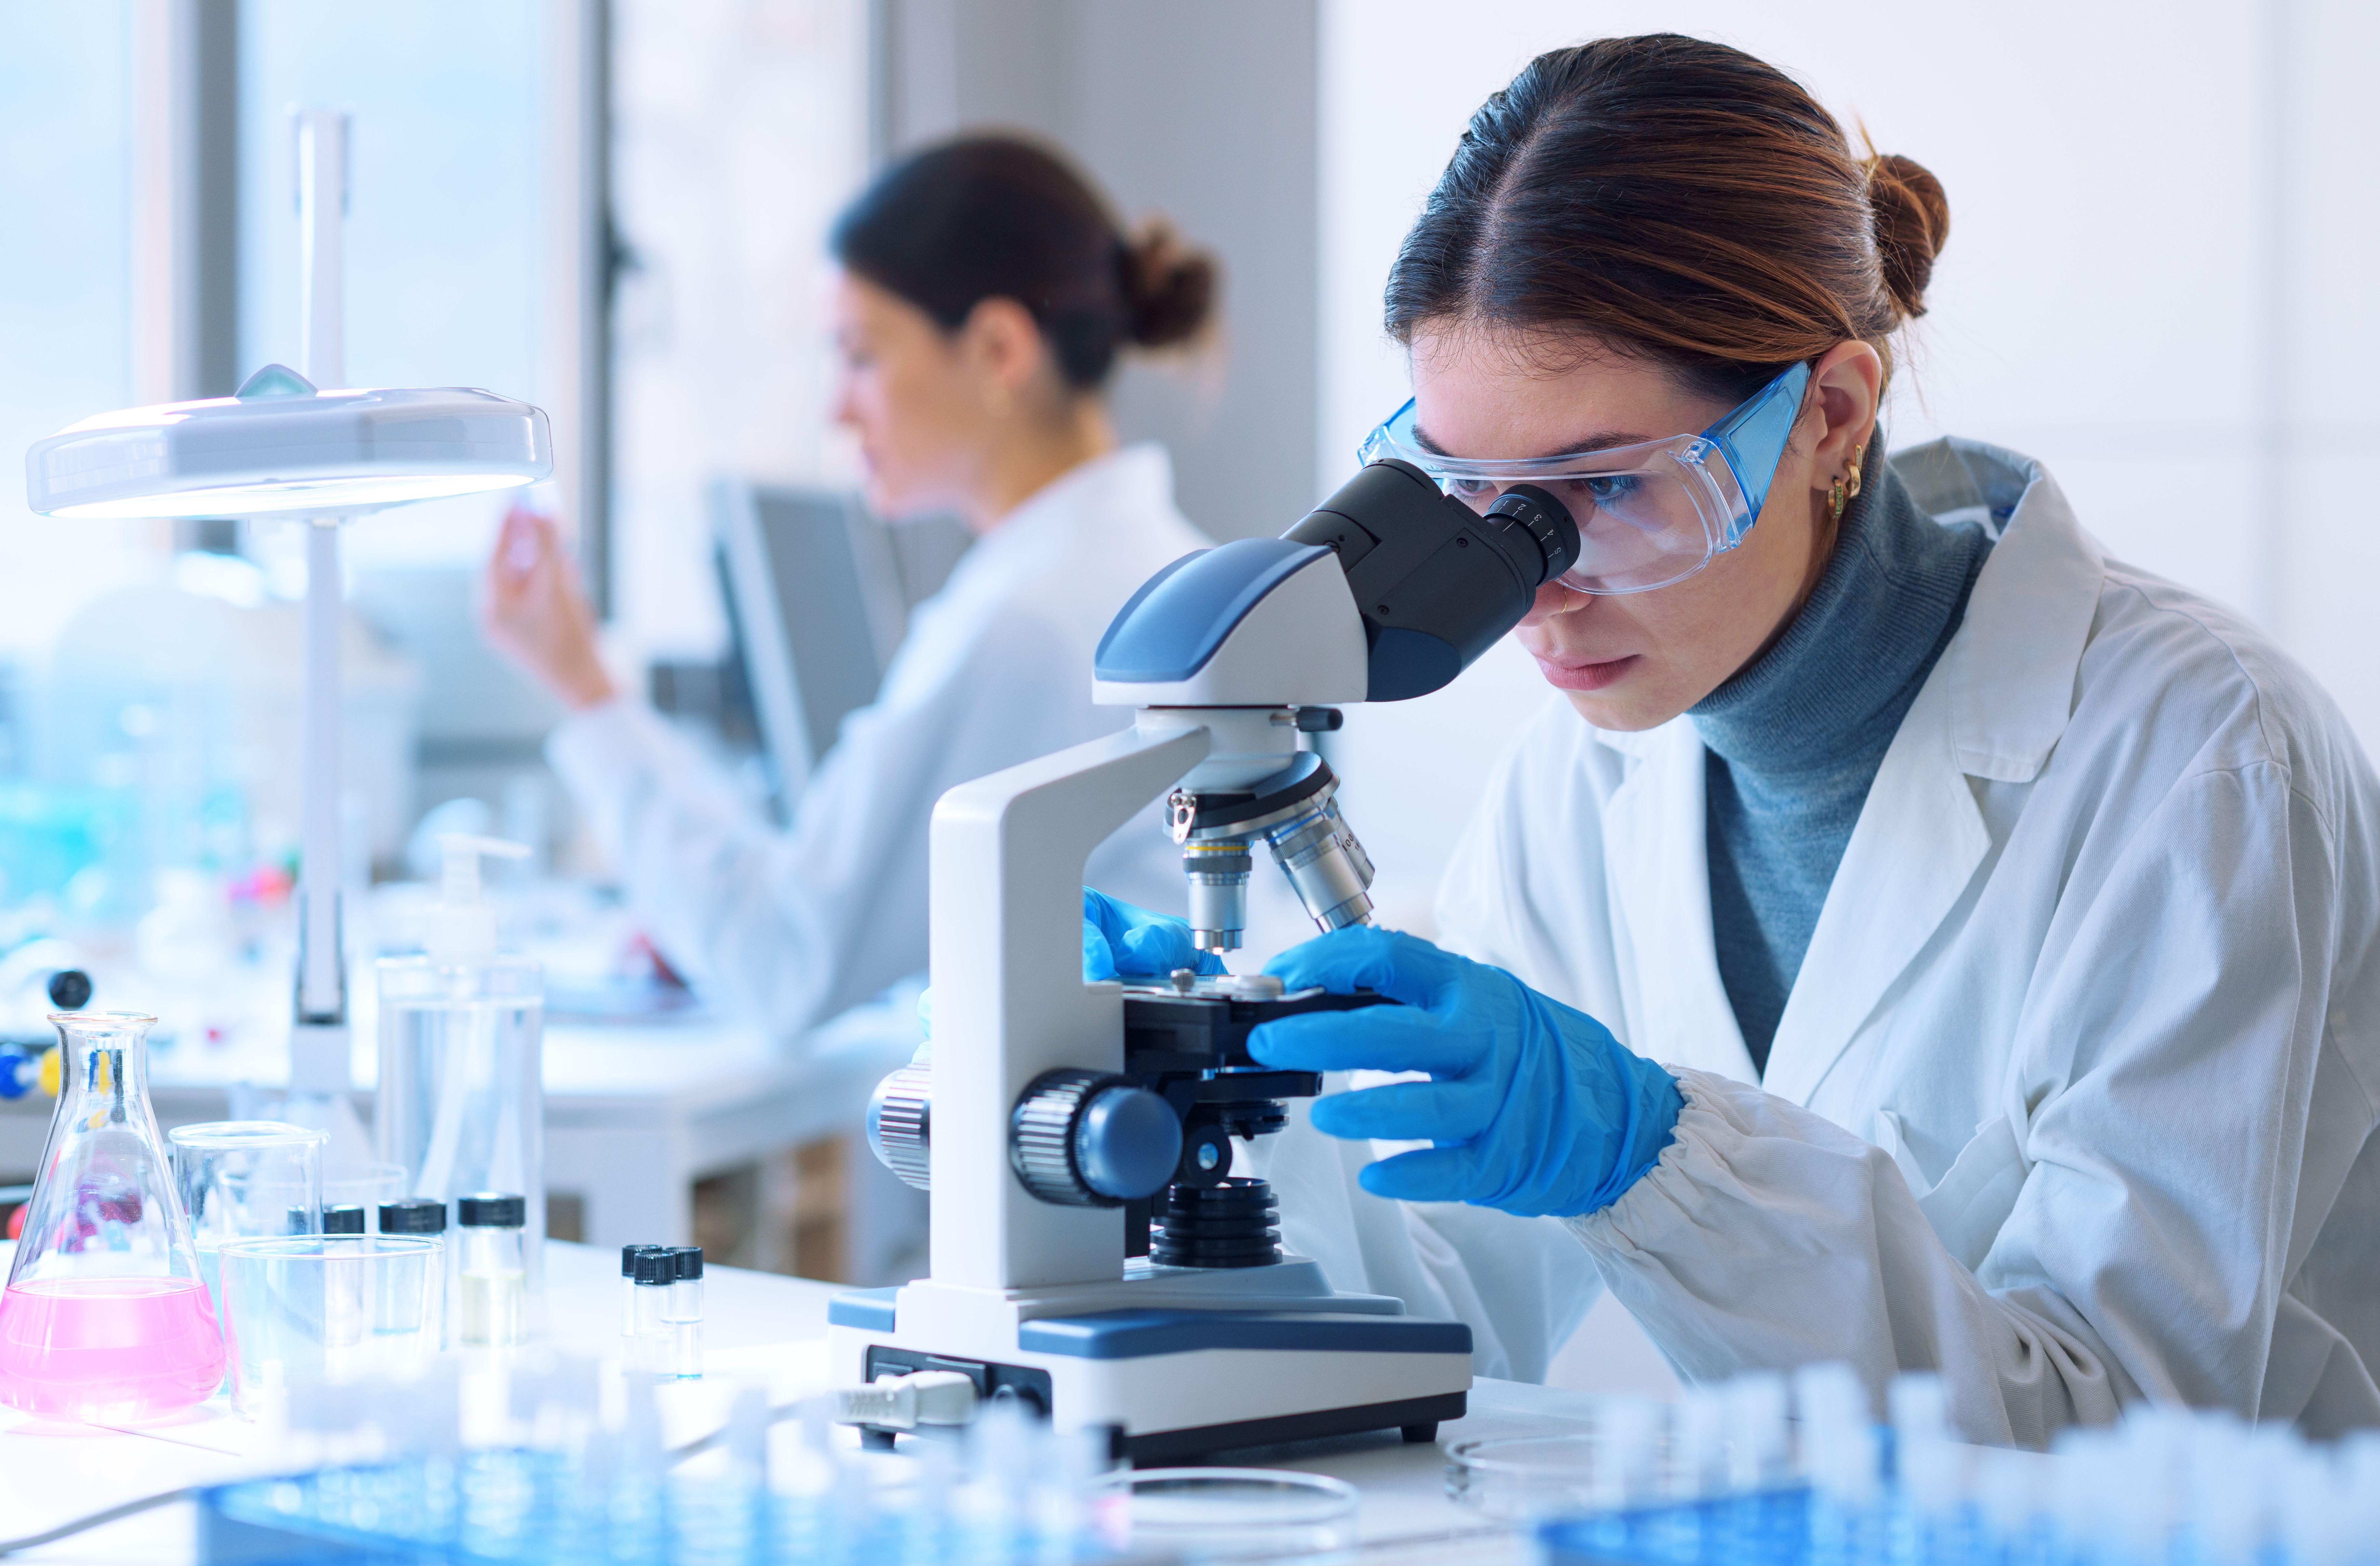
1753	438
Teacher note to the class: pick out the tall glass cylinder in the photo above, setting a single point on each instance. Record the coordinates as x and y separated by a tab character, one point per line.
462	1102
105	1317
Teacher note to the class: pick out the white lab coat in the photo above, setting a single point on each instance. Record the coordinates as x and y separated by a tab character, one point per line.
2073	1097
794	927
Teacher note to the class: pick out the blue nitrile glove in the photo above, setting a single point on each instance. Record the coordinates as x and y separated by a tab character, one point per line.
1535	1109
1123	941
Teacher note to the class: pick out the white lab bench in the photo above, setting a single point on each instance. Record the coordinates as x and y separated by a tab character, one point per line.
757	1324
634	1113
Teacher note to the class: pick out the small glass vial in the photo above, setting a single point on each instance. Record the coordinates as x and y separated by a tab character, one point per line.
490	1270
343	1288
420	1218
683	1313
649	1346
628	1254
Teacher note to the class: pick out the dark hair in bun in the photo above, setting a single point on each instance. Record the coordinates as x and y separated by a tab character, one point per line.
995	217
1676	199
1912	219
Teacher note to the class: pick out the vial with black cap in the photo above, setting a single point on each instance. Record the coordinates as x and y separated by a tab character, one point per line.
683	1311
421	1215
419	1218
654	1274
490	1277
628	1254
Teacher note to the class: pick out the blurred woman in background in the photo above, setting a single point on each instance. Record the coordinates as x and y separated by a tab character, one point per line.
984	297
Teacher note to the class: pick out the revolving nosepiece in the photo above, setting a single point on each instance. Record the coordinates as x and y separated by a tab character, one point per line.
1295	813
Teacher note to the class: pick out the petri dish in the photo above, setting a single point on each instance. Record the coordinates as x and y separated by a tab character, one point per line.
1213	1514
1525	1476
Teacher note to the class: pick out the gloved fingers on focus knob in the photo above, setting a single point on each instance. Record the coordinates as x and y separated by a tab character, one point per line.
1403	968
1369	1038
1426	1174
1409	1112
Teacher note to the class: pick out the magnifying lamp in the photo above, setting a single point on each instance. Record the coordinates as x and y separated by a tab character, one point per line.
280	447
283	448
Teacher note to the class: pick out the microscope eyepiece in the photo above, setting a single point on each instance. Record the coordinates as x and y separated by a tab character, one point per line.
1436	583
1547	523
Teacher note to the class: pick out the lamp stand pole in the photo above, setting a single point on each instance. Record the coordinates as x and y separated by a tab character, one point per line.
319	1055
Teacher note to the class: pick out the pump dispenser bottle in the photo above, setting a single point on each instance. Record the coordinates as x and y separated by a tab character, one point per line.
461	1104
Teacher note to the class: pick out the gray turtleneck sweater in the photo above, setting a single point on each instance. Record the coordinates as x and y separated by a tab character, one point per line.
1795	737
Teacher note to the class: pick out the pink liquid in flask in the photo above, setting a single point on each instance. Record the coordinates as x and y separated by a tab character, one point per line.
108	1350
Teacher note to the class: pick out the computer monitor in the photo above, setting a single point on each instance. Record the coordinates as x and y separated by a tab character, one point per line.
817	597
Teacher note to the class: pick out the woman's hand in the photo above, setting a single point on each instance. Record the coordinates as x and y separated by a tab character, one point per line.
1535	1109
1123	941
538	615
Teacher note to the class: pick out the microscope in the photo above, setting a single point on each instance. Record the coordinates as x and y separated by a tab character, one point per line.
1092	1256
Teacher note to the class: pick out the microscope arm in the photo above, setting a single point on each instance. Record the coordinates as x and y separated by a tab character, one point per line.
1010	1001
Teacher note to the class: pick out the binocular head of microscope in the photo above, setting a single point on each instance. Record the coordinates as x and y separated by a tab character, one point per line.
1433	585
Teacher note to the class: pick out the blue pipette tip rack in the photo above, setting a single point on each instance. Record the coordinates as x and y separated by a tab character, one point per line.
535	1507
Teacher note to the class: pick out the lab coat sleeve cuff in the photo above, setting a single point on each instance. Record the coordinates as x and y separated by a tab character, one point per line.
1645	1216
1753	1187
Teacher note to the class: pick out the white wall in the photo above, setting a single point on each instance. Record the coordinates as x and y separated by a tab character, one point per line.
1201	113
739	129
2157	281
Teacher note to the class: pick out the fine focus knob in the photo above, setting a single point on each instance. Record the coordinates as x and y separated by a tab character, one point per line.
900	1116
1088	1139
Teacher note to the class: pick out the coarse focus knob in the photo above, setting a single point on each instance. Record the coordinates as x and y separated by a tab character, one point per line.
1088	1139
900	1115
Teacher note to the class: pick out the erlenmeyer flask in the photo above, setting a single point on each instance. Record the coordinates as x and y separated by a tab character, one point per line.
105	1318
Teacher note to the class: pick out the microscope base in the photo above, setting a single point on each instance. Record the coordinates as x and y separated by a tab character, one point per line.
1173	1382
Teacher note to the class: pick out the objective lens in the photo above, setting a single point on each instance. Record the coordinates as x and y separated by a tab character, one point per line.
1327	866
1218	873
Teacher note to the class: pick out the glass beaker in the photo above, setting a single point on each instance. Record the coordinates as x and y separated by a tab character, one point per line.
105	1317
330	1307
240	1179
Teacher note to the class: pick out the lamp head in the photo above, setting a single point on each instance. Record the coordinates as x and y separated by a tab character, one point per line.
279	447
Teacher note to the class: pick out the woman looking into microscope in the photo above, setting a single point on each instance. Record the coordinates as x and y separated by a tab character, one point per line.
984	297
2005	921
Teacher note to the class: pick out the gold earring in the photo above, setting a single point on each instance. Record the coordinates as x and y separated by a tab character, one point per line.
1855	480
1835	499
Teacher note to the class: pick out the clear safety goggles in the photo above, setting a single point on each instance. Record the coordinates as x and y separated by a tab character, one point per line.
1648	515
